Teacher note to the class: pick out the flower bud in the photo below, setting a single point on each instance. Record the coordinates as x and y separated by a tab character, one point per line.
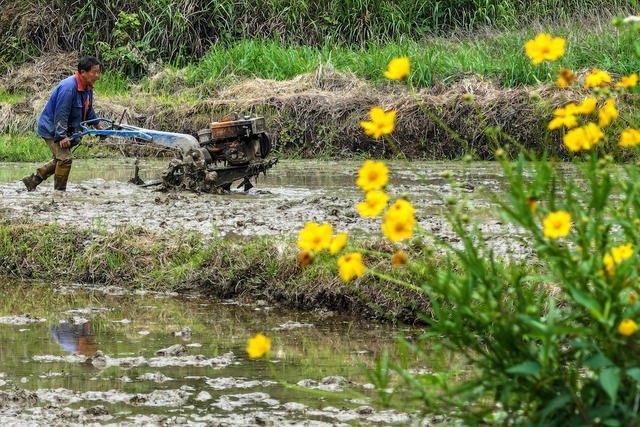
585	220
445	174
464	218
468	98
499	153
468	158
452	200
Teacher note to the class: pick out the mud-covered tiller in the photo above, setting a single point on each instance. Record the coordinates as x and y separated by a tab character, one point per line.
229	150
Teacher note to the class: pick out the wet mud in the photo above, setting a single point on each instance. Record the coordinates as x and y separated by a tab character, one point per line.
99	370
291	194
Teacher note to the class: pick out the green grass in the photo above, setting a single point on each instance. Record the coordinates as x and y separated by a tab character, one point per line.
111	83
32	148
135	34
438	60
12	98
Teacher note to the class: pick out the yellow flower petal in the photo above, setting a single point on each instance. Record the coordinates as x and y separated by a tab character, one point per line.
350	266
544	48
557	224
258	346
374	204
398	68
627	327
338	243
372	176
315	237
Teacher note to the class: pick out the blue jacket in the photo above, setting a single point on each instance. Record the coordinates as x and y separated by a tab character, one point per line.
69	104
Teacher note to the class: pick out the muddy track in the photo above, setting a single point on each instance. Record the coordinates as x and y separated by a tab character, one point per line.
290	195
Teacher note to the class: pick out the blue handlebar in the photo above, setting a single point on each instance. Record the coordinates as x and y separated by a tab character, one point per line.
126	130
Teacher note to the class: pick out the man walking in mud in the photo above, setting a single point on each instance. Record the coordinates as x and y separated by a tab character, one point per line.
70	103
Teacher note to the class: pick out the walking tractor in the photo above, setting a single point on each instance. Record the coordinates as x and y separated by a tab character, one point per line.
232	149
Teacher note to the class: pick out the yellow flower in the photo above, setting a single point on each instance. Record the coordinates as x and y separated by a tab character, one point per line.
593	134
621	253
627	327
381	123
398	228
350	265
583	138
305	258
258	346
544	48
607	260
399	258
398	68
607	113
401	209
597	78
565	78
372	176
628	81
564	116
557	224
630	137
338	243
375	203
315	237
587	106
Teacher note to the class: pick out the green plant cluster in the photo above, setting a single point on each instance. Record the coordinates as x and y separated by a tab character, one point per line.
180	32
556	347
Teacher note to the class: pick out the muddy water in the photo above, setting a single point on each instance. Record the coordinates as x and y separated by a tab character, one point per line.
75	354
291	193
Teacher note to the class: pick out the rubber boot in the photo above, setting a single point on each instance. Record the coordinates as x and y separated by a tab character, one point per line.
61	176
48	169
31	181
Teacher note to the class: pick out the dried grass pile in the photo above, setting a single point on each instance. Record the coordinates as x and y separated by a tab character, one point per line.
43	74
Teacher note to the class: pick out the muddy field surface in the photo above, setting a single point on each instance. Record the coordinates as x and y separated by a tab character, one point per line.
78	355
292	193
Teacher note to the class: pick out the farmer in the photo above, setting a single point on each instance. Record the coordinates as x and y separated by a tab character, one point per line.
76	338
70	103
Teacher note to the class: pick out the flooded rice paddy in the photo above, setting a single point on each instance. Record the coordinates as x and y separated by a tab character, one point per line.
291	194
76	355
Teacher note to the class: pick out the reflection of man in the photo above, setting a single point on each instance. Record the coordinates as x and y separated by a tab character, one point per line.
75	338
70	104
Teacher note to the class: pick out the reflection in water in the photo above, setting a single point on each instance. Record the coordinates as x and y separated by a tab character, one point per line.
76	338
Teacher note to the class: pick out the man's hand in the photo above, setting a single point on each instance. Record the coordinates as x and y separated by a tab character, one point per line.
100	127
65	143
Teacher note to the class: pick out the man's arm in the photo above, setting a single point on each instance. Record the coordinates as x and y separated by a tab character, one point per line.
61	117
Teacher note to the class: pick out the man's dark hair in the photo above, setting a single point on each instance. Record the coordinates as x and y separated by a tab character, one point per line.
86	63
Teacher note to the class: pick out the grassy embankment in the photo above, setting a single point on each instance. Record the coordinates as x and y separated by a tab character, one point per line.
260	269
490	63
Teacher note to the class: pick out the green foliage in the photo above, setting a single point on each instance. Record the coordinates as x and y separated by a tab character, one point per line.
500	58
544	337
32	148
181	31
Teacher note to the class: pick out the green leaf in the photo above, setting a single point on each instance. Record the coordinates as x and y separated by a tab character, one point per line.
634	373
598	361
610	380
588	302
556	403
526	368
